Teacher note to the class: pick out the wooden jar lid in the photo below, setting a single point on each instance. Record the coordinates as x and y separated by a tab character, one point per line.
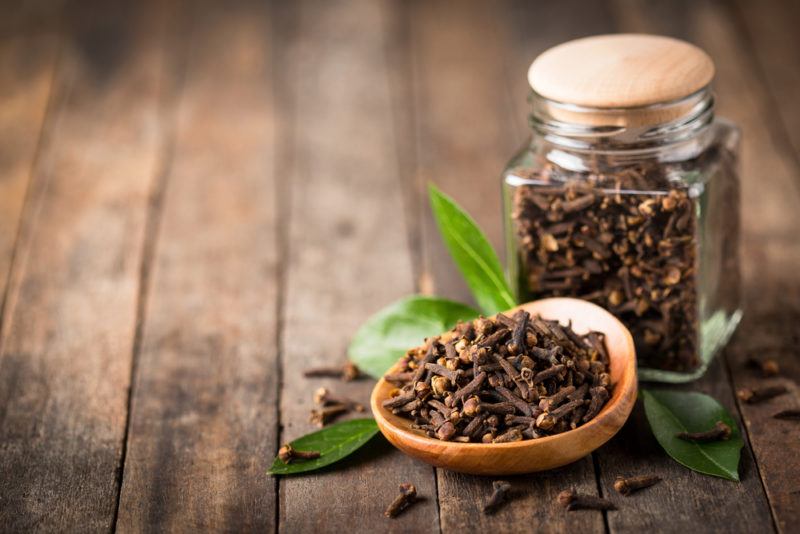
621	71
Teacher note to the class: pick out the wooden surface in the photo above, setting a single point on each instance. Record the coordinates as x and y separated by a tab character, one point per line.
199	201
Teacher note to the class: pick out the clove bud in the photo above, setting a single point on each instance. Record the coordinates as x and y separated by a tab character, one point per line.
788	415
626	486
720	432
407	497
499	495
287	453
753	396
349	371
325	415
571	500
323	397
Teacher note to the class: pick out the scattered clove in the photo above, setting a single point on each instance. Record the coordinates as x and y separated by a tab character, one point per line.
287	453
323	397
571	500
753	396
502	379
499	495
788	415
407	497
720	432
768	367
626	486
326	414
348	372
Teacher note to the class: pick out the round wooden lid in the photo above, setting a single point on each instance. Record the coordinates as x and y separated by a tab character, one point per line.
620	71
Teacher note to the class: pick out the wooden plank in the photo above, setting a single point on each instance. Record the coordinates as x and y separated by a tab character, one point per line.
347	252
768	222
203	421
470	95
27	63
770	28
68	333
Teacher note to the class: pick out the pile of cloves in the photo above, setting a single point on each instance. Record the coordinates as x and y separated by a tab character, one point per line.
631	253
502	379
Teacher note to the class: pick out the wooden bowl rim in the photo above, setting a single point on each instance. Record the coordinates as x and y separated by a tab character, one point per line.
621	390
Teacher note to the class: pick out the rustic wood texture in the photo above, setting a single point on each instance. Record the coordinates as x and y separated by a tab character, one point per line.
199	201
27	64
341	180
68	329
203	421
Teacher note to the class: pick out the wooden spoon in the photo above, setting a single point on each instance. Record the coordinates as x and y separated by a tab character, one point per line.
534	454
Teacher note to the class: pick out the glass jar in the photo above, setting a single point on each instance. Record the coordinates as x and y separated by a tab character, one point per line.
634	208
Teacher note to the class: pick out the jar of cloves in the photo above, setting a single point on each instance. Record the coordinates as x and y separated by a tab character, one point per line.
627	195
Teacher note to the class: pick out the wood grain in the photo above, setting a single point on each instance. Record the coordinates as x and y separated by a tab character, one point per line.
27	64
769	40
347	253
203	422
68	332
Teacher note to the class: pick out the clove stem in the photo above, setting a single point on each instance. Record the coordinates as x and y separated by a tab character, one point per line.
407	497
626	486
499	495
720	432
571	500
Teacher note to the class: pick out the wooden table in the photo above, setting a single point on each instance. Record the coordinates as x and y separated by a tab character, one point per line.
198	200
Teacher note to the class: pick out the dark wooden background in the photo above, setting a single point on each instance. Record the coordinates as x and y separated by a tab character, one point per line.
200	199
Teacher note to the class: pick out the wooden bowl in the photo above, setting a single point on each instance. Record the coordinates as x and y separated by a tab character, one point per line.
536	454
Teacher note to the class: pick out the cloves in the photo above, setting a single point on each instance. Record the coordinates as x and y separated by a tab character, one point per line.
720	432
571	500
348	372
326	414
788	415
500	491
287	454
753	396
502	379
407	497
626	486
768	367
323	397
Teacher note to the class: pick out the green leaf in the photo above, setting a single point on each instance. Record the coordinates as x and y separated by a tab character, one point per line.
333	443
472	253
387	335
671	412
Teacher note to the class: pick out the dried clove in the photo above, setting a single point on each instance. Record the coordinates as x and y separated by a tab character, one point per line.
626	486
323	397
571	500
287	454
788	415
407	497
753	396
326	414
768	367
348	372
500	492
720	432
502	379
